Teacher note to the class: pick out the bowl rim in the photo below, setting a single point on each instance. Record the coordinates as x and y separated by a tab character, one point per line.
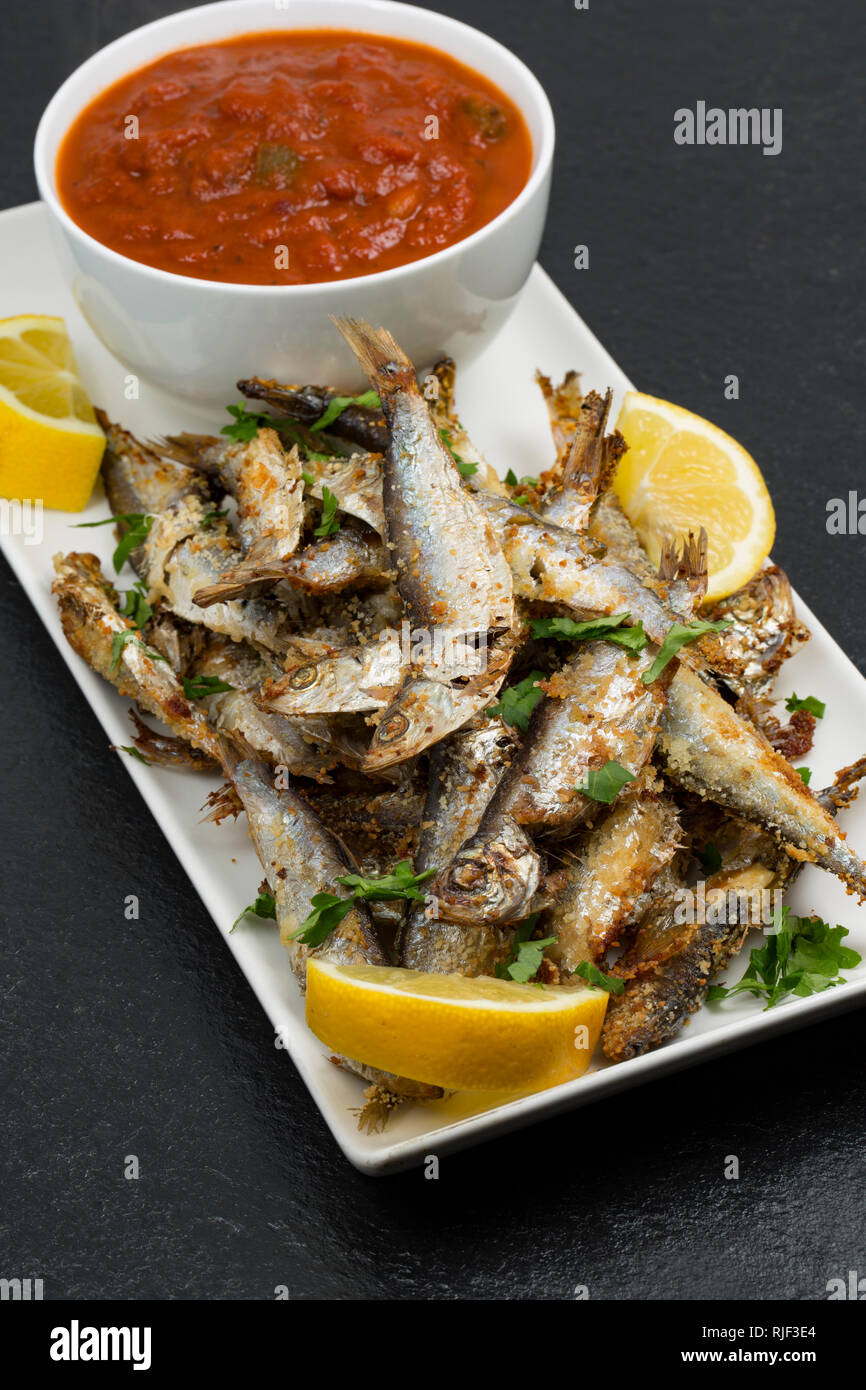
45	170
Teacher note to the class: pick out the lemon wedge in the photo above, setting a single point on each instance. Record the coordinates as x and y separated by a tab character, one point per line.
681	473
462	1034
50	443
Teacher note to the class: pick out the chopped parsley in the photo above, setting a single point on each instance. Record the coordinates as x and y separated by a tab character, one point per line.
711	860
591	973
609	629
247	424
809	703
264	906
516	702
337	404
136	605
122	639
464	469
138	526
133	753
605	783
329	524
802	956
327	910
199	687
805	774
679	636
525	956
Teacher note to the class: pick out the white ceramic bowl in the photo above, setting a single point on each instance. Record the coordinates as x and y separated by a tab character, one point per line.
196	337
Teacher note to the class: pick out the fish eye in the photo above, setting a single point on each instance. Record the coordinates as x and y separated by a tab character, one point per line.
304	676
392	728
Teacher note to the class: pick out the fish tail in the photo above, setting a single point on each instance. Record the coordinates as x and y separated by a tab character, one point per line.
384	362
844	787
693	562
188	449
379	1105
668	557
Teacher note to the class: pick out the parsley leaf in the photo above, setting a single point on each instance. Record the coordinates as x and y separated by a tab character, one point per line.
121	639
525	956
679	636
802	956
464	469
605	783
805	774
609	983
210	518
199	687
246	423
338	404
327	910
133	753
138	526
610	629
401	883
516	702
136	605
329	524
816	707
264	906
527	480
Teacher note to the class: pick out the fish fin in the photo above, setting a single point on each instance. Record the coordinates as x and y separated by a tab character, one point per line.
383	360
844	787
221	803
693	562
668	558
379	1105
166	750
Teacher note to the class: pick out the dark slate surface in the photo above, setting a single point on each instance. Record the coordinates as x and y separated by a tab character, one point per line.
142	1038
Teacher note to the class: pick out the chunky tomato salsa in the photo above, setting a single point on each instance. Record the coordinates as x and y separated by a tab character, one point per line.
293	157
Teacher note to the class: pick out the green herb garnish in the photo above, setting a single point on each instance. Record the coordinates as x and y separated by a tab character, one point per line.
133	753
329	524
199	687
681	635
805	773
337	404
816	707
609	983
525	956
606	783
464	469
328	910
264	906
275	164
802	956
516	702
136	605
138	528
122	639
611	629
401	883
247	424
210	518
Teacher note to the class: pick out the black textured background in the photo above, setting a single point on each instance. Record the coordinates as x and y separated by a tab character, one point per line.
143	1038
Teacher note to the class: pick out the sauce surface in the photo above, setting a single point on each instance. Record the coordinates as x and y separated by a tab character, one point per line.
293	157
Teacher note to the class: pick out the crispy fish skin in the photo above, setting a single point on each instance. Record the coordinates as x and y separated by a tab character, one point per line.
91	623
551	564
300	858
308	747
708	749
354	678
356	482
464	770
766	632
267	485
186	548
597	710
494	877
363	425
451	572
609	871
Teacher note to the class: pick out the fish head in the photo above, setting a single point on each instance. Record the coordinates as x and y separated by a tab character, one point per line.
493	878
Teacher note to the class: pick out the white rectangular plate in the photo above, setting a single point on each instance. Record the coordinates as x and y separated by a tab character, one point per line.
504	412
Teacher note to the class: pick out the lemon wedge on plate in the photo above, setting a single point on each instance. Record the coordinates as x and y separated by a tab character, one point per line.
681	473
462	1034
50	443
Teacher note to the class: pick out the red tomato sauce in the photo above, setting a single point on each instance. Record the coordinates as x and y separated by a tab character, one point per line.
293	157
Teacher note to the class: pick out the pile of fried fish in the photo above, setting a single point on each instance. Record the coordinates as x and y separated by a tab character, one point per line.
348	640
